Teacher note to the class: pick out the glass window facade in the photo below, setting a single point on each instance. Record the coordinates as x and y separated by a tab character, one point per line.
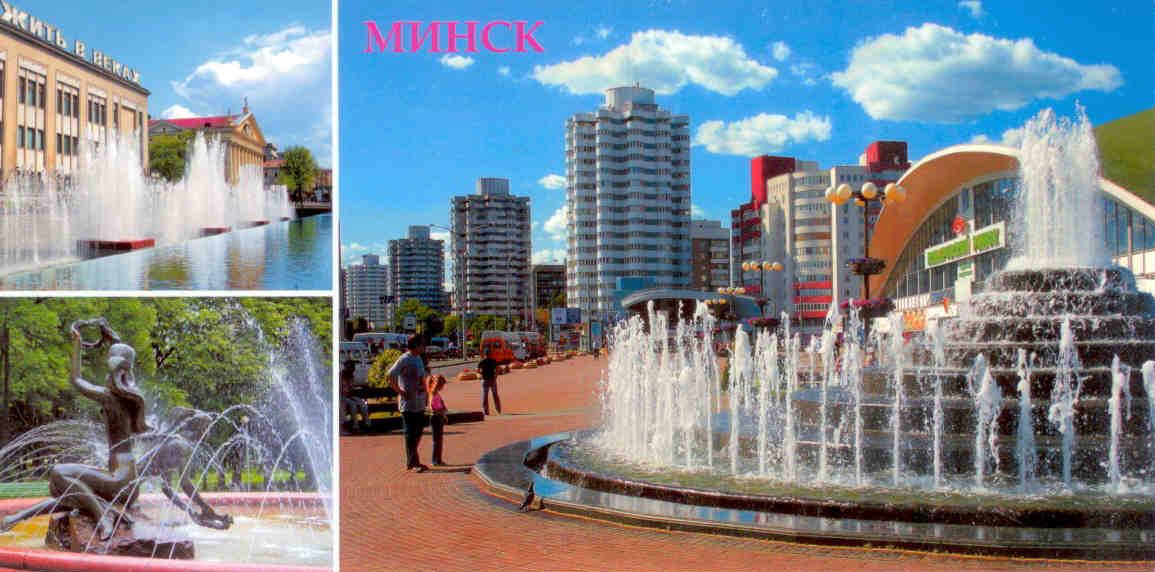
1128	233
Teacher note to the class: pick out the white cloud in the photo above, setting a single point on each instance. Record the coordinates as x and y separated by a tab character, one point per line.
665	61
599	33
556	224
780	50
503	70
284	75
697	211
263	64
552	182
1011	137
975	7
933	73
762	133
178	111
807	72
455	61
549	256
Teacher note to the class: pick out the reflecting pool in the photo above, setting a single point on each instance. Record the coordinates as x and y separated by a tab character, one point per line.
290	255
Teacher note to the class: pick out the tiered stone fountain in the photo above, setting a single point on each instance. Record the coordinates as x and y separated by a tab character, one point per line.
1023	427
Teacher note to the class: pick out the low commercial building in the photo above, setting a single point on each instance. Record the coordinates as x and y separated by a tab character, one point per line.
950	235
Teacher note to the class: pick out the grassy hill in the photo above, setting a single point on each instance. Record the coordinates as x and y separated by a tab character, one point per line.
1127	152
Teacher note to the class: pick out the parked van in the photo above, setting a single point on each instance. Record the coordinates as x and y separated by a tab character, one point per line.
500	347
381	341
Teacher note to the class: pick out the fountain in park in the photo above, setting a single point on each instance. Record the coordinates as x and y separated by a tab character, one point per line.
1025	426
135	484
110	206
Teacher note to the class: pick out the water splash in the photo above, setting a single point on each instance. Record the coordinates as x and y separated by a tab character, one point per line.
1059	218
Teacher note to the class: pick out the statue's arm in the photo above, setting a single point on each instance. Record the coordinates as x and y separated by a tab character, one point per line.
86	388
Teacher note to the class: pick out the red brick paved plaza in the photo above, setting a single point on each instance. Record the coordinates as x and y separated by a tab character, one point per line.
441	520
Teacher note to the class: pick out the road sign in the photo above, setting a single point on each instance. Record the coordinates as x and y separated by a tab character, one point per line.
410	322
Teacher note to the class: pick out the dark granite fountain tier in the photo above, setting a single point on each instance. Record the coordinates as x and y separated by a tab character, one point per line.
1080	528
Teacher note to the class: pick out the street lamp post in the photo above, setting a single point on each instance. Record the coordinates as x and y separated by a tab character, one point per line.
762	267
866	267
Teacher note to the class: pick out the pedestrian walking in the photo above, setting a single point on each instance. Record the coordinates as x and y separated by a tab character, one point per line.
488	368
407	378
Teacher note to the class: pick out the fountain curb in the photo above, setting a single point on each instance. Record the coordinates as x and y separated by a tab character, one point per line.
511	487
564	469
43	560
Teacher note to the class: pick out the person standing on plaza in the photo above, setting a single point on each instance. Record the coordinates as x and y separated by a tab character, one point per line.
438	416
488	369
407	378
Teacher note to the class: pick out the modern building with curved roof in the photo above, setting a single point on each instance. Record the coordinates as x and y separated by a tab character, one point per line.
950	234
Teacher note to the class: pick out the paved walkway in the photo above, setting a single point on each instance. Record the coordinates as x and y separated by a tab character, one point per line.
392	520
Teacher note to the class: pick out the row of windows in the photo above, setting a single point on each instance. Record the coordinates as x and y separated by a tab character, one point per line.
33	91
29	138
68	145
67	104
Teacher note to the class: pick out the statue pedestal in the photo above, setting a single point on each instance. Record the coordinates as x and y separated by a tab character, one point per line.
74	532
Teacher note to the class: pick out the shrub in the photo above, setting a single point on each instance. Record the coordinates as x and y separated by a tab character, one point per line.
381	366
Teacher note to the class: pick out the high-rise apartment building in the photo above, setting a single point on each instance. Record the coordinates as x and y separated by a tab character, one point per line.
627	199
491	251
366	286
710	255
417	269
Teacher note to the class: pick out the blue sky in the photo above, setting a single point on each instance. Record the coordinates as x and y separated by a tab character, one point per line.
205	57
817	82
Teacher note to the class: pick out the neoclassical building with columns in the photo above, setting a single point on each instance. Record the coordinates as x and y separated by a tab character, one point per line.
241	135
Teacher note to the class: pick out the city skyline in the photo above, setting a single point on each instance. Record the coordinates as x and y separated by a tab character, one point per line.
786	89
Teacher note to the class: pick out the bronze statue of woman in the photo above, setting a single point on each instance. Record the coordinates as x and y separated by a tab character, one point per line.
94	492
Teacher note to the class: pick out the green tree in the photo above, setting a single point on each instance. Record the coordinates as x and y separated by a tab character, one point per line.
27	337
381	366
483	323
450	325
429	321
167	155
298	172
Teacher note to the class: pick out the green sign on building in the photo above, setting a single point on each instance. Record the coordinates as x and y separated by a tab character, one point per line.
966	246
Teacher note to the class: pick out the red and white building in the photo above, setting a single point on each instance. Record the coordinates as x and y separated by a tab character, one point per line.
788	220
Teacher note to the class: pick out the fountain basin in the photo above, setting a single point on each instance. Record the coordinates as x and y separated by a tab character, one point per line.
970	527
249	508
